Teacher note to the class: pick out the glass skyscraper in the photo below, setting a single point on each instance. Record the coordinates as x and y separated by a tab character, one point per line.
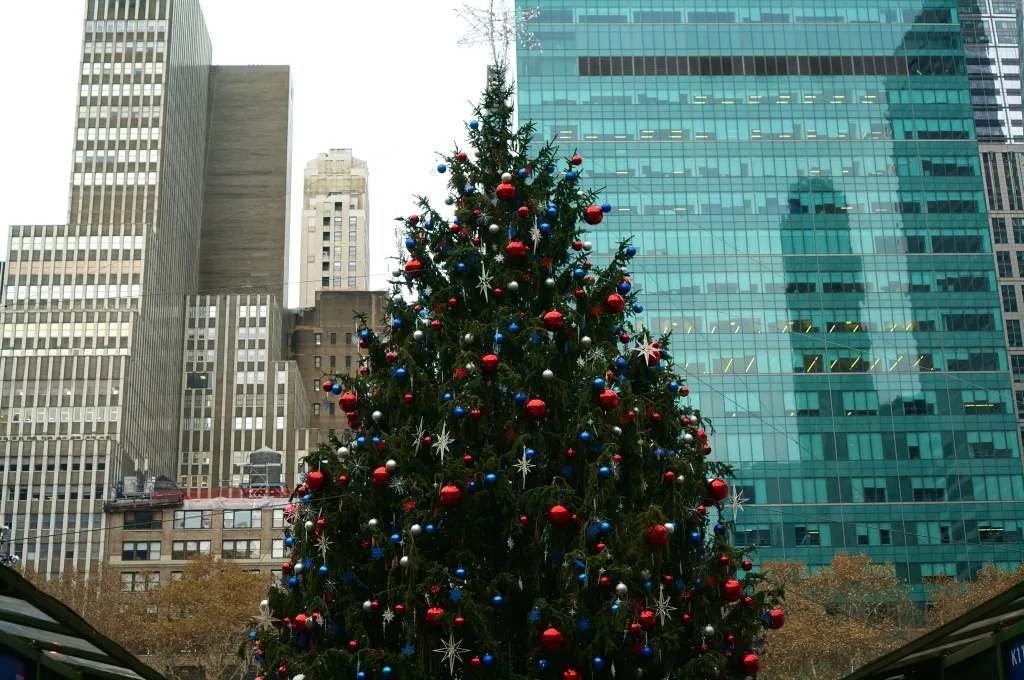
803	183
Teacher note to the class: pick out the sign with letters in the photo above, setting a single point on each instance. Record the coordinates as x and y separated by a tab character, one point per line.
1015	658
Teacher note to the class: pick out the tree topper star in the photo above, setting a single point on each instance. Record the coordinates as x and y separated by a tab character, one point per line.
451	651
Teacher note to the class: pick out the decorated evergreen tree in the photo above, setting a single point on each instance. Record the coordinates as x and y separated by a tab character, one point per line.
524	491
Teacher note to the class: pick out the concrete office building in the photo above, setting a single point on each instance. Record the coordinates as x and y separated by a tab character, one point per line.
335	236
238	393
325	343
3	280
246	205
95	308
804	186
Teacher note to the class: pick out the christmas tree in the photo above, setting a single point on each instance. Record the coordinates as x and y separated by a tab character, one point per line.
524	491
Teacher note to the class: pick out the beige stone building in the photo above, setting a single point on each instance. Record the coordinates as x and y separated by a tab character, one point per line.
335	236
151	537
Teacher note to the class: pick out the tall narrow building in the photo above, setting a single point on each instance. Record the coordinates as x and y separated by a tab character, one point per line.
92	325
335	236
803	183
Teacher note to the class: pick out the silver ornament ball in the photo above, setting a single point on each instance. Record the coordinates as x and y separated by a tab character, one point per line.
391	465
417	335
512	287
404	562
709	630
470	367
373	523
588	246
298	568
367	606
617	431
415	530
688	438
396	273
377	416
343	452
468	338
549	283
680	480
548	374
645	574
506	177
621	589
585	340
493	229
309	525
449	201
670	528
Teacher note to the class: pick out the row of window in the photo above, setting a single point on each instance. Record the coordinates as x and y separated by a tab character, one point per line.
333	361
753	13
318	339
114	179
130	25
51	491
820	535
119	47
107	68
336	282
203	519
53	414
353	221
249	549
98	292
72	243
122	134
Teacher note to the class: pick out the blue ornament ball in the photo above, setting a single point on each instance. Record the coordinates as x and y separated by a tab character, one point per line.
430	528
598	383
513	328
289	542
459	412
497	600
578	273
542	664
719	528
582	578
695	536
604	472
397	324
428	226
551	167
410	243
598	662
470	189
624	287
252	635
336	389
621	362
460	573
646	652
491	479
307	498
630	251
293	582
488	660
522	172
606	526
545	228
396	539
441	167
520	399
461	267
447	396
474	124
471	487
360	675
615	608
570	176
637	308
585	437
530	453
364	335
499	338
385	672
400	373
552	211
606	207
673	386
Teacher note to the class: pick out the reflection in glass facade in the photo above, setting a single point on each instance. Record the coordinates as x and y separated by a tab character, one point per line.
803	182
991	35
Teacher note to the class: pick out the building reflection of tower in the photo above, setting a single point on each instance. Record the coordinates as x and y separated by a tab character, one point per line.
833	364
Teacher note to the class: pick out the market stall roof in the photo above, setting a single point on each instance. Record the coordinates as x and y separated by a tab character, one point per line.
966	636
45	631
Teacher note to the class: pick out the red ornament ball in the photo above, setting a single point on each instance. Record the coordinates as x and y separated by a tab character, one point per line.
327	386
352	646
552	639
435	325
553	320
732	590
523	211
647	619
450	495
414	220
348	402
536	408
434	615
615	303
657	535
516	250
724	561
577	160
571	674
414	269
608	399
343	480
399	609
669	477
751	664
489	363
718	489
593	215
475	414
506	192
475	662
459	622
381	476
776	619
558	515
462	156
746	565
315	480
409	398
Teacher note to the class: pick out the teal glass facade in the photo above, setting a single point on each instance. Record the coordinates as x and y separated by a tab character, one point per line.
803	183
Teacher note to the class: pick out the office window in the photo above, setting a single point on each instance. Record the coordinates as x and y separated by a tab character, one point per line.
277	549
348	338
1009	297
333	361
199	381
317	361
1003	264
760	536
353	221
184	550
318	339
243	519
316	409
278	519
142	520
240	550
813	535
351	282
999	234
334	338
1013	333
132	551
193	519
137	582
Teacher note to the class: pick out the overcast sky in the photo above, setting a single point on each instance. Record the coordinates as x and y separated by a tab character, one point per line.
383	78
